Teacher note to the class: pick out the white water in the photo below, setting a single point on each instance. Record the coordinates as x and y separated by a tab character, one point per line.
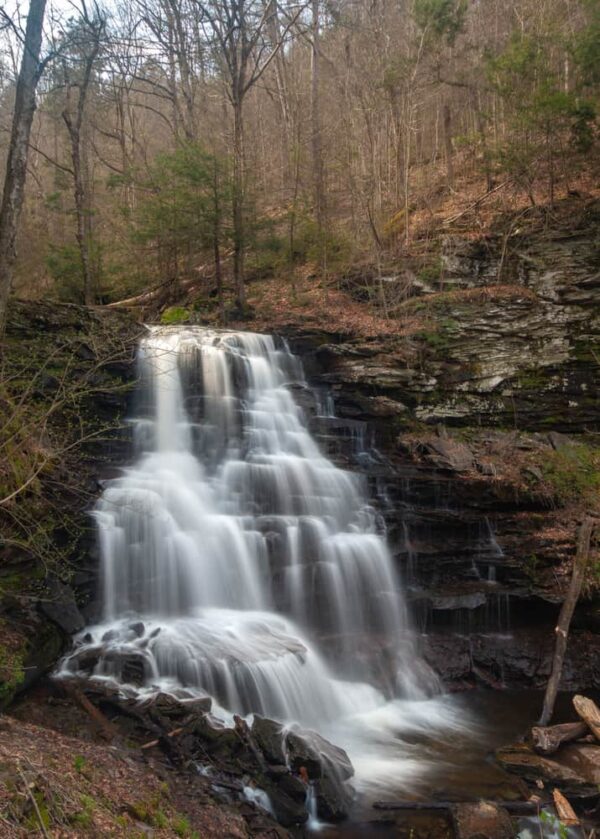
233	546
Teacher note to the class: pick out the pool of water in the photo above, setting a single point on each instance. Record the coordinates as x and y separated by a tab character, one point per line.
462	767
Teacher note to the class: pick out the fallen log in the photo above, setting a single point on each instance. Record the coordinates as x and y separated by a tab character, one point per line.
589	713
516	807
109	730
153	743
547	739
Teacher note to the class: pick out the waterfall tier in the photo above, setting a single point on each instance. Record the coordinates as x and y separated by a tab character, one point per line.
233	547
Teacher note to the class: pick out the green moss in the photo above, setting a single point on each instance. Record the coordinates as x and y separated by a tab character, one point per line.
532	380
85	816
79	763
440	334
174	315
573	474
431	273
12	673
182	828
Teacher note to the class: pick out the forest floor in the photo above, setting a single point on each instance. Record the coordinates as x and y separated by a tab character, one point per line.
63	776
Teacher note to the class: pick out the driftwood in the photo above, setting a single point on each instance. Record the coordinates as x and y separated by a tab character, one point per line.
173	733
565	812
547	739
589	713
517	807
564	619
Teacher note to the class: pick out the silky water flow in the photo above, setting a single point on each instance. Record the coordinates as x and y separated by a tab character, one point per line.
238	561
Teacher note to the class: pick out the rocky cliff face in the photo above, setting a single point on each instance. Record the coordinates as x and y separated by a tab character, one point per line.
480	485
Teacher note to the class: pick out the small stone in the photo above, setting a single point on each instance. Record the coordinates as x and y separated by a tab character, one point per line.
482	820
559	441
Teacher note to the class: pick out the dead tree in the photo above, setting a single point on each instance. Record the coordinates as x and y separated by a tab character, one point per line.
564	619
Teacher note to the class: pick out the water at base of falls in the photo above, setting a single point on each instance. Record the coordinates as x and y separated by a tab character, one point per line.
233	548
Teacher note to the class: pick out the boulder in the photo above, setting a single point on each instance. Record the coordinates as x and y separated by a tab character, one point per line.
59	605
176	707
317	755
287	811
267	734
333	799
292	786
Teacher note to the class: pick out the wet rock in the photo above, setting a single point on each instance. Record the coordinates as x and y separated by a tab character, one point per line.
333	799
482	821
292	786
138	628
60	607
287	811
575	770
267	735
471	600
133	667
318	756
175	707
221	742
86	659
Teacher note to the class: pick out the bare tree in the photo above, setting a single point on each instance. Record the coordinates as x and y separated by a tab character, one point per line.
85	41
16	166
240	31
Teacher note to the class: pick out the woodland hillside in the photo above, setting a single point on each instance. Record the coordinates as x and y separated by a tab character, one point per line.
214	143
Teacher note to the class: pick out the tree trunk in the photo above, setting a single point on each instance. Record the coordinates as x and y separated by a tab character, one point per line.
564	619
16	165
82	232
315	111
238	203
448	146
217	242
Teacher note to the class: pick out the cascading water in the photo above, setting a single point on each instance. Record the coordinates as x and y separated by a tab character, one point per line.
233	546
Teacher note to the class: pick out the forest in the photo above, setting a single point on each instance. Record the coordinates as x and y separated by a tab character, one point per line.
299	419
216	143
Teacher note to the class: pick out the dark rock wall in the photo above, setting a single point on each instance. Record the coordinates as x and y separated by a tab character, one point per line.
75	370
464	413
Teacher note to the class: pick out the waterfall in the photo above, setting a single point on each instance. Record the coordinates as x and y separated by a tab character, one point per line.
233	547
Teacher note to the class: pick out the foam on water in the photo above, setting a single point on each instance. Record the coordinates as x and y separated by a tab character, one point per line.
233	545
